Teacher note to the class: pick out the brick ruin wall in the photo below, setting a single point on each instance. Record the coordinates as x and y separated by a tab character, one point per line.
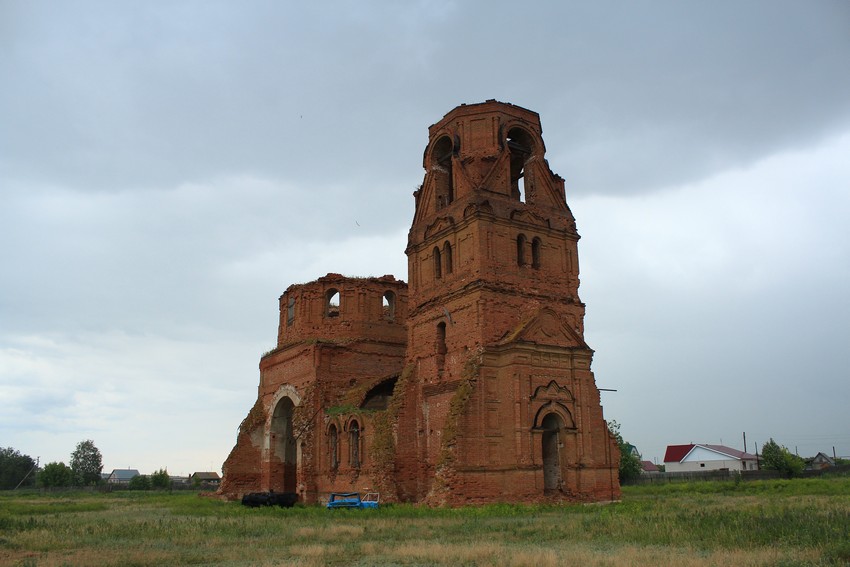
491	396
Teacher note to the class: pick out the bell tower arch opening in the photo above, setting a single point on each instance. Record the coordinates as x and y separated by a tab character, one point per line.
283	455
520	145
441	164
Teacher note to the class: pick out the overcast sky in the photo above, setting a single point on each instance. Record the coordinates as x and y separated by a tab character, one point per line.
167	169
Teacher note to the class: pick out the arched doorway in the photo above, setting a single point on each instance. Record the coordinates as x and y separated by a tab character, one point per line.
552	425
283	454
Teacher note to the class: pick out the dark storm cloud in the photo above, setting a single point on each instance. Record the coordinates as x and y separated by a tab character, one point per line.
111	95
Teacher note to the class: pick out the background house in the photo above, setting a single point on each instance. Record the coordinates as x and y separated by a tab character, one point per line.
205	478
819	462
704	457
121	476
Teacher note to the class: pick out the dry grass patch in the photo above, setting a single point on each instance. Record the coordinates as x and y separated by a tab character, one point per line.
329	531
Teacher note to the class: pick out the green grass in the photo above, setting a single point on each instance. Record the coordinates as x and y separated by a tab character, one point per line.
781	522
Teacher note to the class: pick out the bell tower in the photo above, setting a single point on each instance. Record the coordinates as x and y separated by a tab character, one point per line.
495	326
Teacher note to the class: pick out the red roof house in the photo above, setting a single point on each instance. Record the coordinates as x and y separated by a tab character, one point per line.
707	457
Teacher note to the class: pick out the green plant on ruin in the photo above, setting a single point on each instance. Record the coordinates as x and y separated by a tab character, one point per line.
347	409
457	409
256	418
304	414
383	450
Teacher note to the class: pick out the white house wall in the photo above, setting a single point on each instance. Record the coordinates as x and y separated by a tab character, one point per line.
701	454
705	459
705	465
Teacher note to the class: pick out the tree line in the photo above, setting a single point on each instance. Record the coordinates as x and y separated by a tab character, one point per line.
84	469
19	470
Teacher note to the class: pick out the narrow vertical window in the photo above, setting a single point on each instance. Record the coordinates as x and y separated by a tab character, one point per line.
354	437
520	250
535	253
290	311
438	268
333	447
442	168
447	257
441	338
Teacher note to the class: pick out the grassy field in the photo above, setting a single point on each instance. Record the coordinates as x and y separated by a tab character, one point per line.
797	522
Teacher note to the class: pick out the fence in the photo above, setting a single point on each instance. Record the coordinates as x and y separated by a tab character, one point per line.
721	475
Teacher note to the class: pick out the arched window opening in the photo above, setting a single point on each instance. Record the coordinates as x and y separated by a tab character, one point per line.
332	303
283	456
520	250
443	175
290	311
354	444
378	398
535	253
438	268
333	447
520	145
441	338
552	425
388	306
447	257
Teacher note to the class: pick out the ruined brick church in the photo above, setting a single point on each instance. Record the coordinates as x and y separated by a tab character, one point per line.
469	384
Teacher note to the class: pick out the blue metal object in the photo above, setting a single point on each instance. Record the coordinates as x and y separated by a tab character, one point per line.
353	500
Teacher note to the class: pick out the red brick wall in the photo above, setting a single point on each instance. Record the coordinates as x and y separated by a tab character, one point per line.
485	342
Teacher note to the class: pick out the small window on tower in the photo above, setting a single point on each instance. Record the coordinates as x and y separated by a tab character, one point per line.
520	250
438	268
388	306
447	256
535	253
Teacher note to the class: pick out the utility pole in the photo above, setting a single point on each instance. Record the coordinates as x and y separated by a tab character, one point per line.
35	466
745	441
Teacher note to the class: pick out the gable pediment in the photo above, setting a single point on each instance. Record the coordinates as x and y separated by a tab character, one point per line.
439	225
548	329
529	217
483	207
552	391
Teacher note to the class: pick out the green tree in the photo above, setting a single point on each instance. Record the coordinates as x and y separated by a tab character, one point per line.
629	462
140	482
160	480
14	468
86	462
778	458
55	474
